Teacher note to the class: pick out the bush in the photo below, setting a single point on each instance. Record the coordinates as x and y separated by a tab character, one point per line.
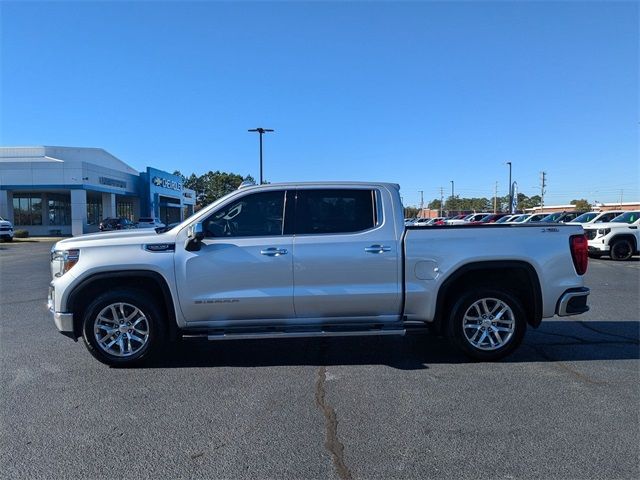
20	234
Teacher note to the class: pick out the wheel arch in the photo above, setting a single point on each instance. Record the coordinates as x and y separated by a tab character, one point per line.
625	236
146	280
519	277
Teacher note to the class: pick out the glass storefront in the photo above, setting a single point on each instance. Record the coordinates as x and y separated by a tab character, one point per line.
94	208
59	208
124	208
27	208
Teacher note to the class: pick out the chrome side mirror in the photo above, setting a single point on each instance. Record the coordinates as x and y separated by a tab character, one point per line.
195	235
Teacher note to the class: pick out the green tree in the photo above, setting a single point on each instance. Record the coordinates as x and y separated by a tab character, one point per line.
434	204
212	185
411	212
581	205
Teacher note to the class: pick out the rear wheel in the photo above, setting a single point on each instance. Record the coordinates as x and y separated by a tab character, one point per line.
487	324
621	250
123	328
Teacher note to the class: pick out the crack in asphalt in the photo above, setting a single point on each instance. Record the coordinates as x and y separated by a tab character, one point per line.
332	443
563	366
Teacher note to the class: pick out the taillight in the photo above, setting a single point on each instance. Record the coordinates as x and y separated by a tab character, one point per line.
579	253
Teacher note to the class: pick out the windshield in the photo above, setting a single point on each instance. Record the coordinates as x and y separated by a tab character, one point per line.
586	217
521	218
503	219
628	217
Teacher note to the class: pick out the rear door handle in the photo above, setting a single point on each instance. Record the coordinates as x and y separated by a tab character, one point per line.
377	249
273	252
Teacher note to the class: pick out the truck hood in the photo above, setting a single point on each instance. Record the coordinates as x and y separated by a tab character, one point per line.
4	223
125	237
595	226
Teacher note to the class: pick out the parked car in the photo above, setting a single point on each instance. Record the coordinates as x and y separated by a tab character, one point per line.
561	217
227	272
493	217
618	238
6	230
534	218
597	217
149	222
477	218
120	223
521	218
505	219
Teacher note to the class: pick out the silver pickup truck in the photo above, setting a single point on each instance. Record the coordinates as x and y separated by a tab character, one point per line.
314	259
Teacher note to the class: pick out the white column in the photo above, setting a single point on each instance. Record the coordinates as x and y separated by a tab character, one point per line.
4	205
78	211
108	205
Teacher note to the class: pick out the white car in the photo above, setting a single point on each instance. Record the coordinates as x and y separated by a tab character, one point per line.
596	217
149	222
6	230
618	238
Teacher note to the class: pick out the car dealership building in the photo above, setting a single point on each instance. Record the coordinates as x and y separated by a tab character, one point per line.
69	190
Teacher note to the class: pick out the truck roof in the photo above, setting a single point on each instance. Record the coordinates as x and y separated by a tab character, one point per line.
393	186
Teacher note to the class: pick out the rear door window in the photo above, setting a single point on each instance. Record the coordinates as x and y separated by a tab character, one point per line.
326	211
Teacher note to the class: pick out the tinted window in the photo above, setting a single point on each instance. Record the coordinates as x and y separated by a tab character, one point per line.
334	211
258	214
607	217
628	217
586	217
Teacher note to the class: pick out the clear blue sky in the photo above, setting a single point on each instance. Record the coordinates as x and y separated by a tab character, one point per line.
416	93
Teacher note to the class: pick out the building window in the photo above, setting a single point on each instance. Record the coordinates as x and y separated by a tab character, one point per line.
59	205
94	208
27	209
125	209
187	211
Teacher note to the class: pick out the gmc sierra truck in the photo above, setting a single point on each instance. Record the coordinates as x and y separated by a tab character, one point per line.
619	238
314	259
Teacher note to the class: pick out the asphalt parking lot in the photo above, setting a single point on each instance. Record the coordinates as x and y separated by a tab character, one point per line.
565	405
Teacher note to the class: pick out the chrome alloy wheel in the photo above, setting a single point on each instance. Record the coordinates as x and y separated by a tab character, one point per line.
121	329
488	324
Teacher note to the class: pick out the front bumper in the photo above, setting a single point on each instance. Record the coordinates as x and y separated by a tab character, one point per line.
573	302
63	321
598	245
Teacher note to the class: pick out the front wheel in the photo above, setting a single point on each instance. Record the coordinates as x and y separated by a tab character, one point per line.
621	250
487	324
123	328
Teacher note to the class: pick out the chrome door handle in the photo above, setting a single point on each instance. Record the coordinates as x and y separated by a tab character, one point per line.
273	252
377	249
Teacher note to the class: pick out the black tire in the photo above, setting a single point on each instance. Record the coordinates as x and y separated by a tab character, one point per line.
148	316
513	318
621	250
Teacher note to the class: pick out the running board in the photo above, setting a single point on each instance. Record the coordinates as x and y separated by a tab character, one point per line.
296	332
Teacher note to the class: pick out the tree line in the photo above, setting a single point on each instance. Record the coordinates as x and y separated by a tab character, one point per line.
212	185
457	204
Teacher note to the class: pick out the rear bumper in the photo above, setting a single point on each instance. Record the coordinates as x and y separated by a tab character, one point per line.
573	302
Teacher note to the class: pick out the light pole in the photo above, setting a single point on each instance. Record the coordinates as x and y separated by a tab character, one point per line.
510	190
261	131
452	195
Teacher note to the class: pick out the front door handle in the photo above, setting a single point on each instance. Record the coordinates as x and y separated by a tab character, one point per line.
273	252
377	249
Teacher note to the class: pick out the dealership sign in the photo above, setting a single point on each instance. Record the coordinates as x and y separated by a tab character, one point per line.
165	183
112	182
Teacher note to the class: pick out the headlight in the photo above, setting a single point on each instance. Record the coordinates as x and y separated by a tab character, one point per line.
63	260
603	231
